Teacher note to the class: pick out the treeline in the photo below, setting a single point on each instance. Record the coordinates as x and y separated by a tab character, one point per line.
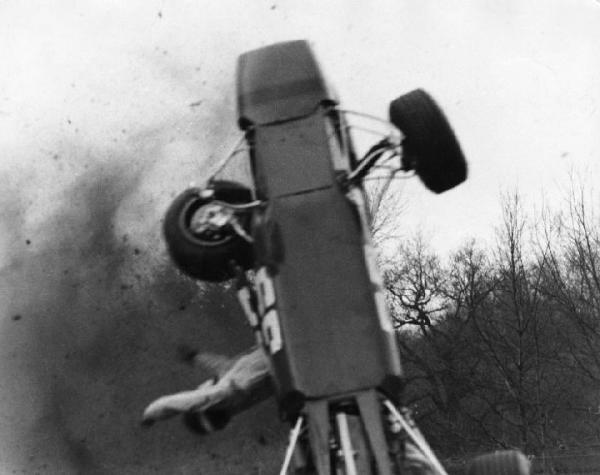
501	344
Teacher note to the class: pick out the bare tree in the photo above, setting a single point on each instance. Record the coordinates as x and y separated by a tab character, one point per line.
433	306
570	241
386	203
414	284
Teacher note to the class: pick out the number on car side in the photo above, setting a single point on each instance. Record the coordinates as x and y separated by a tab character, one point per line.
271	329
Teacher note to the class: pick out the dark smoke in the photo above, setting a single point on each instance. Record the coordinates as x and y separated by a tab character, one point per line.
89	337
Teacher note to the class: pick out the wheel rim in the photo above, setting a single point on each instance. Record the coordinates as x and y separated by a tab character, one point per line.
208	223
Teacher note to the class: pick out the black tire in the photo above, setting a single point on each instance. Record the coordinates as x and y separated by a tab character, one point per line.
206	257
430	146
507	462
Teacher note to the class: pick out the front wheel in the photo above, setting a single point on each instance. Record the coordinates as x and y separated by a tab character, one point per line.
429	146
198	243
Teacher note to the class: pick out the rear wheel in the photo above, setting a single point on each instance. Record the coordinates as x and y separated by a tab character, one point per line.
507	462
202	251
430	146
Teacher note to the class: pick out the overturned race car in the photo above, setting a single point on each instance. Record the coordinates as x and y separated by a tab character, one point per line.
298	244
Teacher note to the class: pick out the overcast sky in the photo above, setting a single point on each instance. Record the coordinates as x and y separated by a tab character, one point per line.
152	82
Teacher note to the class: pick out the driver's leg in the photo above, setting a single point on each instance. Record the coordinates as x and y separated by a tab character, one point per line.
244	384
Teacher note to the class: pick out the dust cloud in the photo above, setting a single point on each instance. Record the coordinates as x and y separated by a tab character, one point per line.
90	326
104	117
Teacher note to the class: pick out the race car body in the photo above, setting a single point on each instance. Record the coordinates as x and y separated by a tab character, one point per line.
327	329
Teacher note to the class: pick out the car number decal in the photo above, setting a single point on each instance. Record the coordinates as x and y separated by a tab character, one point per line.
271	329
